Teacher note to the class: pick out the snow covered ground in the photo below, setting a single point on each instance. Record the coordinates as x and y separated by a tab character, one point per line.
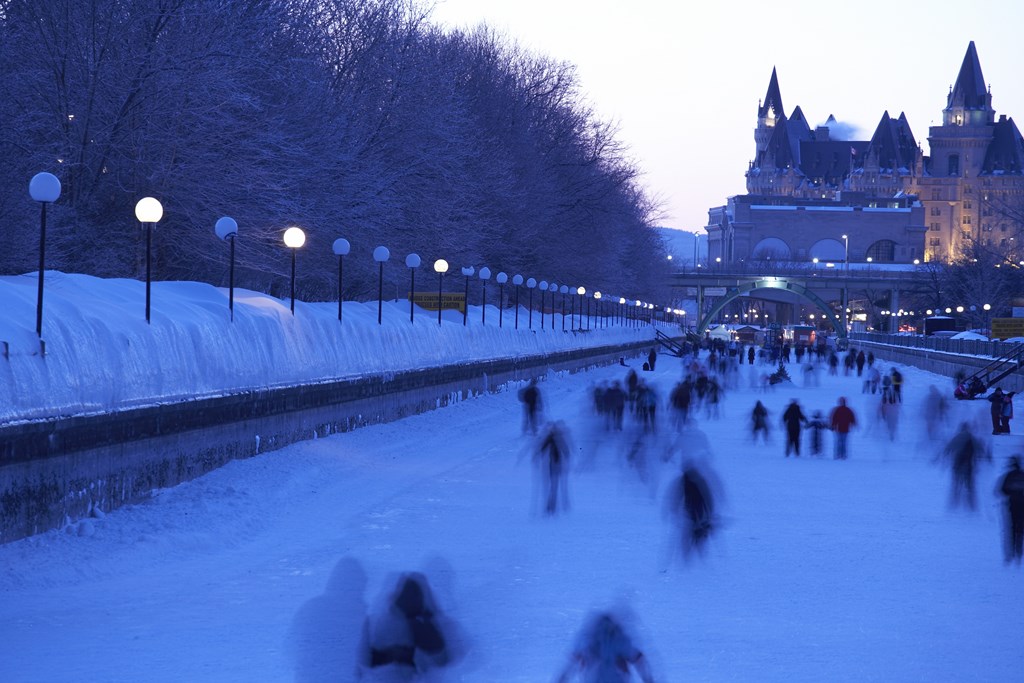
824	570
101	355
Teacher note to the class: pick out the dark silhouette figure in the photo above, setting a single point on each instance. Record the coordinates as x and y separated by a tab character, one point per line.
996	410
409	637
605	653
817	425
841	421
965	451
759	421
652	356
793	419
530	397
750	356
1011	487
860	360
897	386
553	458
692	504
615	404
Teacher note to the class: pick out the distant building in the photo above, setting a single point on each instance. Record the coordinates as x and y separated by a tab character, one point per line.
806	189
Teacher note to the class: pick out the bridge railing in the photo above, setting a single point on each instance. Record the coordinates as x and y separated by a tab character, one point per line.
970	347
805	269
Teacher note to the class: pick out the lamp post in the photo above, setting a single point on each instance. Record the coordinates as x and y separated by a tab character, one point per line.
597	306
485	275
564	290
622	310
572	310
380	255
468	272
502	278
225	228
553	288
517	280
148	211
530	284
543	286
582	291
45	189
293	239
440	267
412	262
341	247
846	252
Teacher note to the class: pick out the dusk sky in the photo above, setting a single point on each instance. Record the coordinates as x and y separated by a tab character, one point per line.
683	83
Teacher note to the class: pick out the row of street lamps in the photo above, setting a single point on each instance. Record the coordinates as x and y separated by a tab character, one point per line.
45	188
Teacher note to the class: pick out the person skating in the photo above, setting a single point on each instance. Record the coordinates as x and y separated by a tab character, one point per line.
964	451
759	421
841	422
817	425
793	419
1011	487
605	653
530	397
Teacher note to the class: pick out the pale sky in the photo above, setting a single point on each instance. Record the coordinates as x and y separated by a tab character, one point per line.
683	81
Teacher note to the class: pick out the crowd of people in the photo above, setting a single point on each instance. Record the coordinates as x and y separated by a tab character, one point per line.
409	636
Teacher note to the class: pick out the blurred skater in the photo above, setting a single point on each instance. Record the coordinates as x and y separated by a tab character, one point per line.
841	422
530	397
964	450
410	638
793	419
759	422
553	460
817	425
1011	487
691	503
605	653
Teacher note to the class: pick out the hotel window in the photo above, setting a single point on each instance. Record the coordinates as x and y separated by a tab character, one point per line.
936	211
935	194
967	220
934	242
935	227
967	203
954	164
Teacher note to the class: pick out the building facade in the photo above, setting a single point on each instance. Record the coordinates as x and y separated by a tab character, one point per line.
810	195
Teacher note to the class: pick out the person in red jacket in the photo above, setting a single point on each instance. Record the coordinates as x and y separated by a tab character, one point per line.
841	422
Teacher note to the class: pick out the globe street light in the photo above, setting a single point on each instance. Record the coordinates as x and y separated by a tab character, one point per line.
45	189
412	262
341	247
530	284
622	310
485	275
148	211
597	305
502	278
294	238
582	291
227	228
440	267
380	255
517	280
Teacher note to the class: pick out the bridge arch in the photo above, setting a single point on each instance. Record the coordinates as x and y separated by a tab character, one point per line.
773	283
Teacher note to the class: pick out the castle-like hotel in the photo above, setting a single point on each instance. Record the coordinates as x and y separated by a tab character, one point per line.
811	196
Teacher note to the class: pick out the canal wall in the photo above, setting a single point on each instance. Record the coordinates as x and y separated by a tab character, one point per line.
54	472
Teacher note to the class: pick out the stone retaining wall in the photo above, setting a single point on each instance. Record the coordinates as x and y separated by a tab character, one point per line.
939	362
56	471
